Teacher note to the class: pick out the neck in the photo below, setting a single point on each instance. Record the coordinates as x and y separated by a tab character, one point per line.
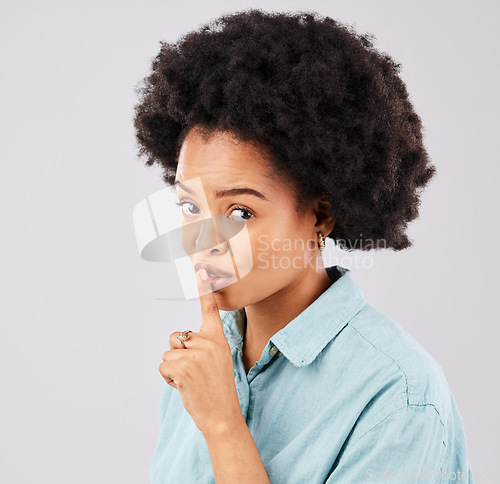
267	317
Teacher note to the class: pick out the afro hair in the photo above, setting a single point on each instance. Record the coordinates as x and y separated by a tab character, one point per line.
329	109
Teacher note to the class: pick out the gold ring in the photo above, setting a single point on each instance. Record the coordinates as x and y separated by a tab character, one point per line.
183	337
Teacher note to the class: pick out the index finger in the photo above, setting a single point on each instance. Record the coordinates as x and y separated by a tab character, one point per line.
210	317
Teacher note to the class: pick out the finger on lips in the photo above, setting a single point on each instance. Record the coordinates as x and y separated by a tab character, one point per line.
207	300
204	285
208	305
202	273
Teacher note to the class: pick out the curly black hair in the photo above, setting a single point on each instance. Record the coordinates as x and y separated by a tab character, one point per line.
315	95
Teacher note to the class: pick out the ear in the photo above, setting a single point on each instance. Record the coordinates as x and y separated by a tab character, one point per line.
323	212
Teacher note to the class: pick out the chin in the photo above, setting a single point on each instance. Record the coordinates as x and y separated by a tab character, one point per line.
236	296
227	300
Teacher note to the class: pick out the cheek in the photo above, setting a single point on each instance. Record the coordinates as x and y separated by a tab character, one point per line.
251	247
282	246
267	255
241	246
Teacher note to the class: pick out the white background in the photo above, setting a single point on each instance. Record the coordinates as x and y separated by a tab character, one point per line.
83	322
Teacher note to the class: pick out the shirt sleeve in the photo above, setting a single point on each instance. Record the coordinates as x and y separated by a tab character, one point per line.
407	445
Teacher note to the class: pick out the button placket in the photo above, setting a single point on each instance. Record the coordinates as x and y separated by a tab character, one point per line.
241	385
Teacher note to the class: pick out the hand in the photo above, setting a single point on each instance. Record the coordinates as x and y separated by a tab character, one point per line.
203	372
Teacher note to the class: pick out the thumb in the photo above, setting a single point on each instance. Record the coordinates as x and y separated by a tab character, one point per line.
210	317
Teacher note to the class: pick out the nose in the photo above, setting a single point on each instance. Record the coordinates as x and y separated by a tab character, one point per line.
208	237
209	234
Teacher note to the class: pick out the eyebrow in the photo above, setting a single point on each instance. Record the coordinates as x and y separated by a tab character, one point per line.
226	192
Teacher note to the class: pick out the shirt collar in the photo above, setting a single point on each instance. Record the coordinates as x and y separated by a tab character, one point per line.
303	338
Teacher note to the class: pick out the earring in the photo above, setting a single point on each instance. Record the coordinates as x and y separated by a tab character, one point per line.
321	242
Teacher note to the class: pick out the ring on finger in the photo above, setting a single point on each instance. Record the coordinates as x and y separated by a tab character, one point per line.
183	337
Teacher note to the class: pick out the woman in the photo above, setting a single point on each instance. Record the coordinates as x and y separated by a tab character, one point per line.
294	128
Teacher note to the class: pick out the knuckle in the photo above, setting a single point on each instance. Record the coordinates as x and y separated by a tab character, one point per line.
212	308
182	367
172	338
194	355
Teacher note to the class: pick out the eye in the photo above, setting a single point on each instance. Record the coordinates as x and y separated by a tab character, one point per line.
244	211
190	206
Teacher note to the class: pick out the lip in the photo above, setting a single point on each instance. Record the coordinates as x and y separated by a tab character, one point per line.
212	271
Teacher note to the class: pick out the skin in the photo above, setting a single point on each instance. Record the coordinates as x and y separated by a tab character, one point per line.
284	277
272	294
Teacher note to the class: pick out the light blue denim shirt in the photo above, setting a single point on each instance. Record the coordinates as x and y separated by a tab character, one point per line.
341	394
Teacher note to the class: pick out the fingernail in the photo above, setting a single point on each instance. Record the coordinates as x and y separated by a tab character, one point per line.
203	274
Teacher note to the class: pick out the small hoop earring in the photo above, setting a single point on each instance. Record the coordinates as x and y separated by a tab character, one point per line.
321	242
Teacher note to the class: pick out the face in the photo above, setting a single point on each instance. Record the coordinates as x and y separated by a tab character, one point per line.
239	221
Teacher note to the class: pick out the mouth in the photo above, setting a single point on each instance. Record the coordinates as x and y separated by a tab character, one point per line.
218	278
213	272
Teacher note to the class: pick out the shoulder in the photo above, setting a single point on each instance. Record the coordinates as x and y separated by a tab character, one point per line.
390	344
405	398
403	374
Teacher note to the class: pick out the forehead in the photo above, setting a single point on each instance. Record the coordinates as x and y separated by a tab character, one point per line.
222	159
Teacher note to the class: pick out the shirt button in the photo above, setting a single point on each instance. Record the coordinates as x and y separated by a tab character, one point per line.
273	350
